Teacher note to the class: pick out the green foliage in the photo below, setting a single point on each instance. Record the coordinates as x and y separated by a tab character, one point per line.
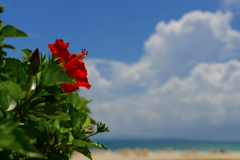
14	90
79	103
1	9
38	120
11	31
14	65
27	52
101	127
81	143
4	104
5	32
11	138
53	75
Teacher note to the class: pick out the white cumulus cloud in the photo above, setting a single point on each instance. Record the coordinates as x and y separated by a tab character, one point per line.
187	79
232	5
197	37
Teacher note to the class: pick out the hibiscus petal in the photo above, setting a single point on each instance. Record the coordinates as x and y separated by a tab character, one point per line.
81	78
60	48
75	67
69	87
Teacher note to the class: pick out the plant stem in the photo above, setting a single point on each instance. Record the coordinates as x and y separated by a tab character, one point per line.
26	103
92	134
4	113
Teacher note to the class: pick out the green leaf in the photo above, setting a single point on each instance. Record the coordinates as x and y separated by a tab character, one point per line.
14	140
1	37
91	144
80	120
52	90
1	25
86	123
75	119
70	138
12	89
54	156
61	117
33	118
3	53
66	154
6	155
79	103
4	101
34	103
58	137
54	75
29	130
48	109
12	103
93	121
1	9
8	46
24	57
11	31
43	126
16	66
2	113
26	51
101	127
43	57
1	44
56	124
4	77
52	59
65	127
85	151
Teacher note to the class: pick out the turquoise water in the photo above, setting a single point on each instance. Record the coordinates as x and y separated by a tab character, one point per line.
175	145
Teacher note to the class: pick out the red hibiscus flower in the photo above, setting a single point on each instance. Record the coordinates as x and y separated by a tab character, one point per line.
75	67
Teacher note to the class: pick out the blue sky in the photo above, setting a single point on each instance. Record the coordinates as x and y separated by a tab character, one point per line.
158	69
108	29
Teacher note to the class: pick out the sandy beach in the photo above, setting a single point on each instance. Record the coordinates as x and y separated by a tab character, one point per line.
138	154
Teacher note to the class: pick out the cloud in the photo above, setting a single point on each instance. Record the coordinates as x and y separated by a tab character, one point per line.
197	37
229	3
233	5
208	98
185	83
210	92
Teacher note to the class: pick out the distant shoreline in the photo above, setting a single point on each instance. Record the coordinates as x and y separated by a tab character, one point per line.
165	140
175	145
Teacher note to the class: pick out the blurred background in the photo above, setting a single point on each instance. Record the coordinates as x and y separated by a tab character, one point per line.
161	71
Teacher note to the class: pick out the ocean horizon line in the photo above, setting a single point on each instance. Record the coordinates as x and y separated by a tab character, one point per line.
165	140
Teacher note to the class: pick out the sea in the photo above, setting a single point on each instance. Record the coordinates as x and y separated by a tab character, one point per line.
176	145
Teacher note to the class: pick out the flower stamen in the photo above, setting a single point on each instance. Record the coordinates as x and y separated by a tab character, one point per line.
80	56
